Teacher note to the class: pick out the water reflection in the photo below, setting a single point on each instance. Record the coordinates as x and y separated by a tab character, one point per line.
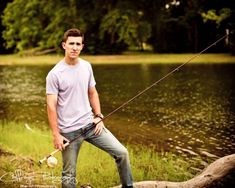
22	96
191	112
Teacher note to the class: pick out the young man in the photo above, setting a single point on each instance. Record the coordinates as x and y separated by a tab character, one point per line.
73	108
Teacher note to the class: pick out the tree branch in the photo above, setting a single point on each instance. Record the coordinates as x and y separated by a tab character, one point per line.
211	174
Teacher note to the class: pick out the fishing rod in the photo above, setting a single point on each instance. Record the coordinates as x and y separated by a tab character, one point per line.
46	158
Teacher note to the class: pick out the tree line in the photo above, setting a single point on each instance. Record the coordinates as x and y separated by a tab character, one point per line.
114	26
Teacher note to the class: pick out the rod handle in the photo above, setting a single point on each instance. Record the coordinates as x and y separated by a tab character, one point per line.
51	154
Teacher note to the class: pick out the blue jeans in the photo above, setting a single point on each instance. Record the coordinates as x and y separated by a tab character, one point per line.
105	141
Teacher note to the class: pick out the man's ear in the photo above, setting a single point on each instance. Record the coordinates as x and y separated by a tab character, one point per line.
63	45
82	46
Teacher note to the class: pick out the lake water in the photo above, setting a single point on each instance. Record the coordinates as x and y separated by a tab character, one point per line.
192	112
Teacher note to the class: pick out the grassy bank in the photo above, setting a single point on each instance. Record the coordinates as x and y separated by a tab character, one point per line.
21	148
119	59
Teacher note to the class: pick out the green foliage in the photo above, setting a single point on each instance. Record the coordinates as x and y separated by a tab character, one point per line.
63	18
212	15
22	24
125	25
34	23
112	26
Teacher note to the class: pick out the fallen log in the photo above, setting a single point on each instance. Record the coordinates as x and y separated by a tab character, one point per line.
208	177
45	51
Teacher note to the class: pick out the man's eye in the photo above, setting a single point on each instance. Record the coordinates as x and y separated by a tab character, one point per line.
72	43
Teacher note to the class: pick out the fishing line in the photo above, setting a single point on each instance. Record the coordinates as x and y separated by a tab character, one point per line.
141	92
167	75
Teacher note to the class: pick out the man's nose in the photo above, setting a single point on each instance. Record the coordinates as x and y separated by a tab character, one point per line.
75	46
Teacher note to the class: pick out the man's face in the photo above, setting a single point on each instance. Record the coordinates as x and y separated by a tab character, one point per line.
73	47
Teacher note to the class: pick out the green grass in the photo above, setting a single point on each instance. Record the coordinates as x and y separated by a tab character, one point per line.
94	166
16	59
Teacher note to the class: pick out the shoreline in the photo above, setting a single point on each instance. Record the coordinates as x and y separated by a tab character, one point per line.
16	59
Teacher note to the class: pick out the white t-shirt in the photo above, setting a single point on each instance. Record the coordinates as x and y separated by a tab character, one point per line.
71	83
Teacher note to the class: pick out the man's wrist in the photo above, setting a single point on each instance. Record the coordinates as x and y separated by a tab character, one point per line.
55	133
99	115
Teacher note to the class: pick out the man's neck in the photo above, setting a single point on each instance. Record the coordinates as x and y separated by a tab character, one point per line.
70	61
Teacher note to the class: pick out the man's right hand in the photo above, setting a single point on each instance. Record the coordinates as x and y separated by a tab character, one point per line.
58	141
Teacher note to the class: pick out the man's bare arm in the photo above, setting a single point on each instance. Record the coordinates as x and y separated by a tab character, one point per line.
53	121
95	104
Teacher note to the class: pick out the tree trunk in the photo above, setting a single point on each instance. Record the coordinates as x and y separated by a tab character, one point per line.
211	174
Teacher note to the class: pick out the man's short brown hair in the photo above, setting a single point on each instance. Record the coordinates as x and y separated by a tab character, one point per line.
74	32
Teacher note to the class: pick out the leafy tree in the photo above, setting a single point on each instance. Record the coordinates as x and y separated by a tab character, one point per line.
153	12
3	49
64	17
32	23
125	26
111	26
219	18
176	26
22	25
223	14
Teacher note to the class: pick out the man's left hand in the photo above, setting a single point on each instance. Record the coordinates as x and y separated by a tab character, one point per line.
99	127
